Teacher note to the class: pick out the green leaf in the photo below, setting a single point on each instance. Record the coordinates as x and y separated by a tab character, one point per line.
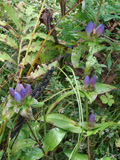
8	27
37	105
52	139
13	15
1	153
117	143
104	99
20	144
75	56
33	154
5	57
77	156
8	40
109	96
41	35
103	88
110	102
63	122
101	127
106	158
109	62
90	63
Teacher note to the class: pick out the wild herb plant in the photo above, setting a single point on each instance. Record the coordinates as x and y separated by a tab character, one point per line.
68	56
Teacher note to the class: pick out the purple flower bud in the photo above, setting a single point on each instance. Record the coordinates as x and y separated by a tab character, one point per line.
17	96
92	118
28	90
23	92
93	81
12	91
86	81
100	29
89	27
19	87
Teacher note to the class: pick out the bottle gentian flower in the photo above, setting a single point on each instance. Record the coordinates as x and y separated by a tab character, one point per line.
91	120
89	82
89	27
20	92
99	29
93	82
86	82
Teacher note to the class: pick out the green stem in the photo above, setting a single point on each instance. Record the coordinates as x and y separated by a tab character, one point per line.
88	143
44	121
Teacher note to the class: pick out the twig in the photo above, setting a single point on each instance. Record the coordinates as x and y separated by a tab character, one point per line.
97	17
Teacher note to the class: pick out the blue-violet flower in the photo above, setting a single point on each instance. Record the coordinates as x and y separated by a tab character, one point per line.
86	81
20	92
91	120
93	81
99	29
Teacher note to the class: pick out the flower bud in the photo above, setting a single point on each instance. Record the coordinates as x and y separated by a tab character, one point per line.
23	92
91	120
100	29
28	90
17	96
12	91
86	81
19	87
93	81
89	27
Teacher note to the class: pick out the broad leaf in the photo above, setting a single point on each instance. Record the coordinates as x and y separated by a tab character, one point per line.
77	156
52	139
20	144
34	153
63	122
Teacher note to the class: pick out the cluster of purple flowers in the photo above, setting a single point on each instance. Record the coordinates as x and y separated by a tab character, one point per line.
89	82
21	92
99	30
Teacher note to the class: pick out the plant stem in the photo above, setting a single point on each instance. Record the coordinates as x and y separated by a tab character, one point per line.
44	121
32	37
97	17
36	139
88	143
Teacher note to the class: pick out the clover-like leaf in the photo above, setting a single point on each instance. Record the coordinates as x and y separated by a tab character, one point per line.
104	99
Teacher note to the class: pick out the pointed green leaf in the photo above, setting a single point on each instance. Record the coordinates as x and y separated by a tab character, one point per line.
63	122
9	41
22	143
101	127
77	156
52	139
